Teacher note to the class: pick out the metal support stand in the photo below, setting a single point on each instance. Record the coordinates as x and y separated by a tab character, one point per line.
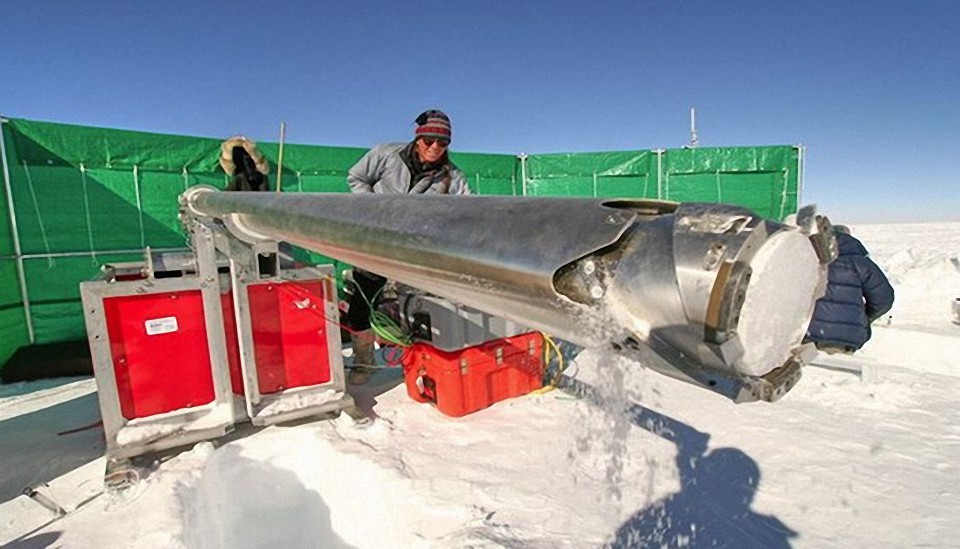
275	360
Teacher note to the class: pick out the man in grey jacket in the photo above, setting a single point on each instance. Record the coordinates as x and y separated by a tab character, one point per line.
418	167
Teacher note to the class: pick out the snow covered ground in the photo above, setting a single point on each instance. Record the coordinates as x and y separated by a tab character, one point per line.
864	452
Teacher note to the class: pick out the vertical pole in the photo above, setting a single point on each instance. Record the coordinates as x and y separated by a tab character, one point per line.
136	190
24	296
800	173
523	174
594	184
206	255
719	192
86	213
783	194
694	141
659	173
283	132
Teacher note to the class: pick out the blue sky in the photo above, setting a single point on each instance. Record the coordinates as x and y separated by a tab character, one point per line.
871	88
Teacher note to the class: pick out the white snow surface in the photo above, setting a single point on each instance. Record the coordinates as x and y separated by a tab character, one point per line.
843	460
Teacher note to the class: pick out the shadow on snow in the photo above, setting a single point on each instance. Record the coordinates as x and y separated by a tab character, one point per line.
717	487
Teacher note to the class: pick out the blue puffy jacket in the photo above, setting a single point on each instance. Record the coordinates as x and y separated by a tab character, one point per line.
857	294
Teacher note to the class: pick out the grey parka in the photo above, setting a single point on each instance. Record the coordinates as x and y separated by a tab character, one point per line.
382	170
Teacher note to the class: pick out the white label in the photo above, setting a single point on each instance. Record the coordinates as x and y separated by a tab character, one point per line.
161	325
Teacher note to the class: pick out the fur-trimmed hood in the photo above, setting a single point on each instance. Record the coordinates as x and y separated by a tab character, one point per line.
226	154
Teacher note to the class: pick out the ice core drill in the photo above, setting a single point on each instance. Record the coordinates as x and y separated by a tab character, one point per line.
710	294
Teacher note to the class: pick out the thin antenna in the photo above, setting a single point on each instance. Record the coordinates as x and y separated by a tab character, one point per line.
283	131
693	128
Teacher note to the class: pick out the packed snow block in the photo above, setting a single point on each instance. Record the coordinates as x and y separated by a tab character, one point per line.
462	382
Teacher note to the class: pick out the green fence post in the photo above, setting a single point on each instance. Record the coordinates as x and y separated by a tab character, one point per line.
24	296
523	173
136	191
800	173
659	173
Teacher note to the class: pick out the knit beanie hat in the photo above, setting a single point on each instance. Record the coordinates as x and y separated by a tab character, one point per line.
434	123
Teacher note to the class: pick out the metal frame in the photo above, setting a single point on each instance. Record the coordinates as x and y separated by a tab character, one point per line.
267	409
243	250
176	428
94	253
213	247
18	253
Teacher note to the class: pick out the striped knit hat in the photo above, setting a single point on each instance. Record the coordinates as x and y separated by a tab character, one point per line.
434	123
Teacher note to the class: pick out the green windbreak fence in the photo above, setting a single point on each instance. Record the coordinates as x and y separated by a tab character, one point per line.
764	179
80	197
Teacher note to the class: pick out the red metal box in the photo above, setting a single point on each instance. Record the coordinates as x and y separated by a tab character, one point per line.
289	334
158	346
462	382
289	331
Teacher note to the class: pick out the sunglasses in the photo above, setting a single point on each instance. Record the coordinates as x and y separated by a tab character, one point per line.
430	141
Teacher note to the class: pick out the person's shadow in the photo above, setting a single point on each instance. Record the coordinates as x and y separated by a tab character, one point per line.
712	508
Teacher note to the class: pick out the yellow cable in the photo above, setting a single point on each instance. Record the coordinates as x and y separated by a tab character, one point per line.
546	360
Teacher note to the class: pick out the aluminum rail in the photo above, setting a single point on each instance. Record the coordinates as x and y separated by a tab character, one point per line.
686	289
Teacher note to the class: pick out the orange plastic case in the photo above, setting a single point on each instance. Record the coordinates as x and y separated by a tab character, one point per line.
462	382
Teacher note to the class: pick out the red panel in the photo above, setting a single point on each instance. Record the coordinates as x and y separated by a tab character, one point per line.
432	375
161	359
289	334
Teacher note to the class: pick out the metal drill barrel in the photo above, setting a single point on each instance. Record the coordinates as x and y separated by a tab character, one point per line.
674	286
